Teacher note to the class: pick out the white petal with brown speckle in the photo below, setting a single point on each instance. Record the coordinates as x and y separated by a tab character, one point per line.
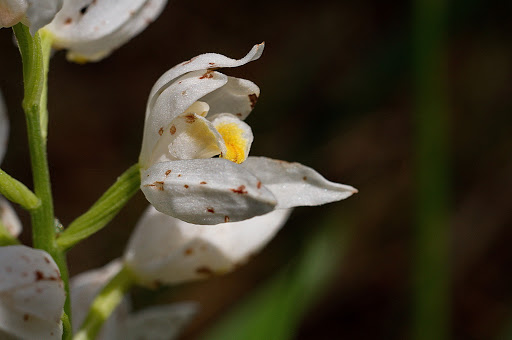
90	29
294	184
206	191
165	250
31	294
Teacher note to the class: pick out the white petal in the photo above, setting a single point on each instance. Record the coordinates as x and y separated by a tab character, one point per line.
175	100
164	249
294	184
159	322
92	29
4	127
85	287
12	12
8	218
238	97
188	136
205	191
31	294
33	13
41	13
202	62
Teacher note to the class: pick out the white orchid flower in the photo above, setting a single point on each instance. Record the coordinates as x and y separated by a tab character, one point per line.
90	29
31	294
33	13
195	113
8	218
166	250
158	323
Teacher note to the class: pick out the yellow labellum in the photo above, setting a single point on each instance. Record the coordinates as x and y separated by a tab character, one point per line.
234	140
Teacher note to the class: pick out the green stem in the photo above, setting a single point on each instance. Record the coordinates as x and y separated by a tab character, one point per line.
104	304
103	211
17	192
34	77
432	266
46	47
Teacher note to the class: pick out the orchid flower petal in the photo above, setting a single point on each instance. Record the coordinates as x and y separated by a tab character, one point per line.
294	184
164	322
90	30
188	136
31	294
12	12
41	12
238	96
4	127
9	219
33	13
177	98
205	191
164	249
201	62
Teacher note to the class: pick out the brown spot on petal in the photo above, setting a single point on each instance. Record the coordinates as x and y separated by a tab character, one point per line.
186	186
210	210
68	21
25	317
190	118
226	219
39	275
161	131
253	98
305	178
84	9
168	172
208	75
211	64
203	182
172	130
183	93
179	175
204	271
188	251
238	114
258	185
188	62
158	185
240	190
46	260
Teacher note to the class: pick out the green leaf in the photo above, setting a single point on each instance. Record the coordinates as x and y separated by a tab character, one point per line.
275	310
17	192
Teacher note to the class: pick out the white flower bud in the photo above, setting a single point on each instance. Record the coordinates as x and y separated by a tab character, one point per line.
31	294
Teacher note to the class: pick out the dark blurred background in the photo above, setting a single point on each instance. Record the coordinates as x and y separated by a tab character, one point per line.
336	95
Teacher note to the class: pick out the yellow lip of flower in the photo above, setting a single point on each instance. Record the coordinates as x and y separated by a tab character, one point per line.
237	137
